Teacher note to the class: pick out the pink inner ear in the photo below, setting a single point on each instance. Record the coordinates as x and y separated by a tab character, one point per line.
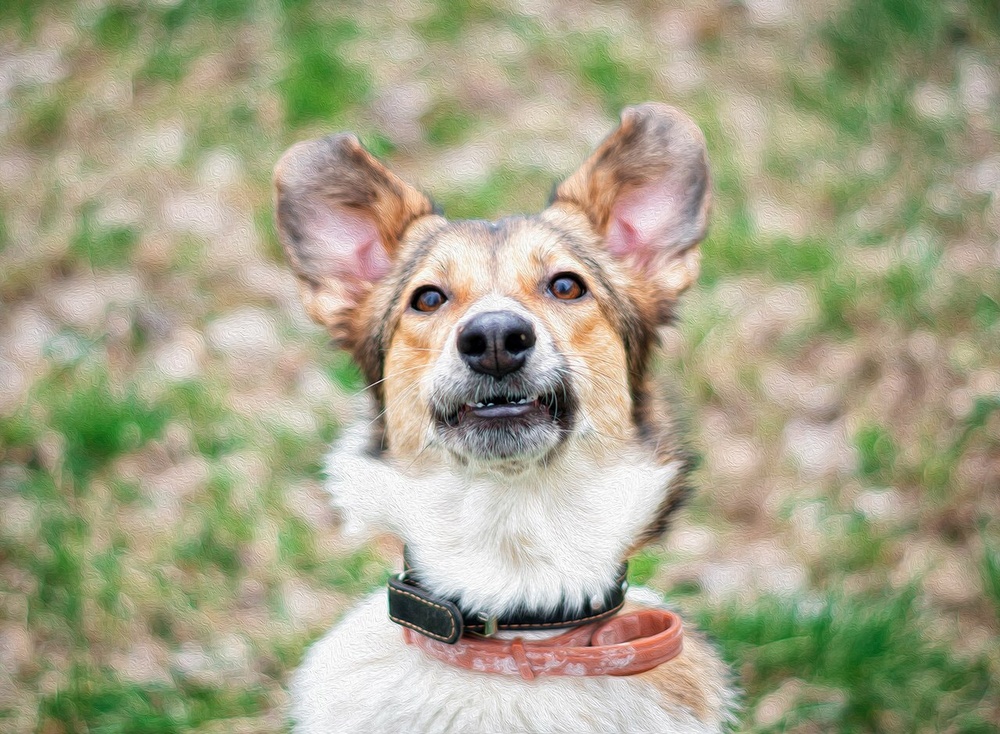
647	222
345	245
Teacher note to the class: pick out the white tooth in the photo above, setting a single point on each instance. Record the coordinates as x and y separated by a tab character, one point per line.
489	405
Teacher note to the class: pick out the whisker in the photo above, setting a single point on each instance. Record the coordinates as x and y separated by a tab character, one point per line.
393	403
394	374
417	456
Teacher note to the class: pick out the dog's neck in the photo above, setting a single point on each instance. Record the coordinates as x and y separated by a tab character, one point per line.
500	541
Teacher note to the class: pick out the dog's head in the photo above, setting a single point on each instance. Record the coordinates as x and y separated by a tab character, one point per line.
497	343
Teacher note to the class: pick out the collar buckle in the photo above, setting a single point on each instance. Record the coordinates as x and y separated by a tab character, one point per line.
489	624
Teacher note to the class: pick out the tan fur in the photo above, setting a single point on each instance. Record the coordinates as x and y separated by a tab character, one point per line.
652	140
694	680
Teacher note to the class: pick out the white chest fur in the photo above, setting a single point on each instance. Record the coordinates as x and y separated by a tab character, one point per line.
497	541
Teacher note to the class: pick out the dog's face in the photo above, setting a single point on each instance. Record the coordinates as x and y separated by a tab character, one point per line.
497	343
501	345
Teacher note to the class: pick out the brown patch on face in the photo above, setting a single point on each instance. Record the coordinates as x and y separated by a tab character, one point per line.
628	304
376	317
605	338
586	331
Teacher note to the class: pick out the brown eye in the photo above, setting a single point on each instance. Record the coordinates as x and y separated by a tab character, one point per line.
428	299
567	287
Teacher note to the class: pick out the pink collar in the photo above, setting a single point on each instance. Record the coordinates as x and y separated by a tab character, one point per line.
624	645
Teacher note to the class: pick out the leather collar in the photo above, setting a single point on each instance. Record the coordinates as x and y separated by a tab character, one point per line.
413	606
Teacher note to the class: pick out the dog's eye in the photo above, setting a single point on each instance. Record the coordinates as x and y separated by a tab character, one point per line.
567	287
428	299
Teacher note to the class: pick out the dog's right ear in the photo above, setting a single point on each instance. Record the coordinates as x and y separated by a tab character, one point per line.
646	193
341	215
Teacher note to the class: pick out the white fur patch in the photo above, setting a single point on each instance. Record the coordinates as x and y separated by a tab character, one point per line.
496	541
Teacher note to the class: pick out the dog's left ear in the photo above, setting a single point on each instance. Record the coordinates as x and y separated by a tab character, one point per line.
646	192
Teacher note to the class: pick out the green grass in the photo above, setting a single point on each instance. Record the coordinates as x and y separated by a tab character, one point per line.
4	233
102	246
215	432
448	123
221	534
738	250
57	563
877	452
99	701
642	567
82	590
449	18
355	573
987	311
180	14
165	65
44	124
942	458
990	573
118	26
344	372
506	190
319	84
617	82
866	662
868	33
97	420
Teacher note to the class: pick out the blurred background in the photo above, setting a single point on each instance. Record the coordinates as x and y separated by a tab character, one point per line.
166	550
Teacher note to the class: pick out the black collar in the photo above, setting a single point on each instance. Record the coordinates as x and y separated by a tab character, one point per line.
411	605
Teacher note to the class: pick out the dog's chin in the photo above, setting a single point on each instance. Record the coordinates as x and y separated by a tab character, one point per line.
506	428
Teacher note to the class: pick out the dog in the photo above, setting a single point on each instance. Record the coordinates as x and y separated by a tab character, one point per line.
518	447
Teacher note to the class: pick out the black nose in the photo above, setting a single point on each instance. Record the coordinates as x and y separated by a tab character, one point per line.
496	343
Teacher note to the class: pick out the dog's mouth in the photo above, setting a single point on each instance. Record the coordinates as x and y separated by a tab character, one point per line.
506	407
507	424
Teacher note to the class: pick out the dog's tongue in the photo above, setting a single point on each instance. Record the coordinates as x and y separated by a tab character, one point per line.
504	410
